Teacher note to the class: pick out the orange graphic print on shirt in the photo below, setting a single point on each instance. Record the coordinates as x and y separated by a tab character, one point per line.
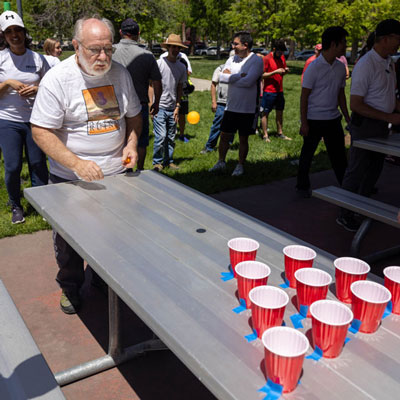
103	110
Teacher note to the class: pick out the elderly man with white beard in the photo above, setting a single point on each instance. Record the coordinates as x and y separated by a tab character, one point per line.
87	119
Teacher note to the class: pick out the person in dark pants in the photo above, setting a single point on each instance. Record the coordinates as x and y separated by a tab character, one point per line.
323	90
373	102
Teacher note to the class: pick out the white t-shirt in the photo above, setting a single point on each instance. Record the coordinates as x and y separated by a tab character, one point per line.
29	69
87	113
325	81
180	55
171	75
222	88
242	91
374	78
52	61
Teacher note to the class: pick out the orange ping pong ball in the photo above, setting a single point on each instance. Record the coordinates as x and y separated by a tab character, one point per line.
193	117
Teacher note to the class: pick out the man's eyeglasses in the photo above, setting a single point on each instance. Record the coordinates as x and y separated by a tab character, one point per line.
234	44
95	51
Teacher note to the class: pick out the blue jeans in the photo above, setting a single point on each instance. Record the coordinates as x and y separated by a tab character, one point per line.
13	137
164	137
215	128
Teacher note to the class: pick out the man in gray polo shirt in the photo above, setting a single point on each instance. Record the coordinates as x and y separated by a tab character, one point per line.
143	68
373	102
323	90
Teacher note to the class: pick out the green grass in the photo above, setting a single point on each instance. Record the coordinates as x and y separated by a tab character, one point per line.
266	162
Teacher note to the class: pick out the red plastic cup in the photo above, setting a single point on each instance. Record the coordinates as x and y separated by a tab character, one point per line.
392	282
268	305
330	322
285	349
297	257
347	271
369	302
242	249
249	275
312	285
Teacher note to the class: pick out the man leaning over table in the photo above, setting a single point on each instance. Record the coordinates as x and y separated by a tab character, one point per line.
87	119
373	102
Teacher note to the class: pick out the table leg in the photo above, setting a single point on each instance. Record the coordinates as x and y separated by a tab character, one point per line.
116	354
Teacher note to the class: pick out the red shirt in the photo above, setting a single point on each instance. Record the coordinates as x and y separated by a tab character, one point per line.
308	62
274	83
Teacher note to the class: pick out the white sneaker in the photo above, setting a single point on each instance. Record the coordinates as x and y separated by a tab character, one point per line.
218	167
239	170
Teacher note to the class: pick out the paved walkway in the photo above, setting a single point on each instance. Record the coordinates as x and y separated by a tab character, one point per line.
27	267
201	85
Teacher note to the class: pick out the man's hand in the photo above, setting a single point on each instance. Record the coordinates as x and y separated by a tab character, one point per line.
88	170
394	119
214	107
154	109
226	71
16	85
304	129
28	91
176	115
129	156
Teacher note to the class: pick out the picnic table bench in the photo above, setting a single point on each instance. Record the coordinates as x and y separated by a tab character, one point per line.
389	145
161	246
24	373
370	208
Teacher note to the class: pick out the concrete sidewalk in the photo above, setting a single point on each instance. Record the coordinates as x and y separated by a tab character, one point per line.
28	269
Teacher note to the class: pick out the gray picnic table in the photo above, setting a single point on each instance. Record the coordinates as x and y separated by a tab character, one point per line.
161	247
390	145
24	373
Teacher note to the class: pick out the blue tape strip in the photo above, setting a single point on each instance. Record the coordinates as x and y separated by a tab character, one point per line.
227	276
355	326
316	354
347	340
252	336
283	323
285	285
303	310
296	320
273	390
240	308
388	309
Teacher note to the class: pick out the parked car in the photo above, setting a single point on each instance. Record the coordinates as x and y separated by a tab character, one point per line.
156	49
305	55
261	50
201	52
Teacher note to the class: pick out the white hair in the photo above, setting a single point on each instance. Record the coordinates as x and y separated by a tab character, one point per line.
79	26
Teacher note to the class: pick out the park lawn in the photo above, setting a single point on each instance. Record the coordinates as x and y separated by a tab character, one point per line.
266	162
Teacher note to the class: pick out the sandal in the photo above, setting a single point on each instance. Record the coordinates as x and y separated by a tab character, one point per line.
266	139
284	137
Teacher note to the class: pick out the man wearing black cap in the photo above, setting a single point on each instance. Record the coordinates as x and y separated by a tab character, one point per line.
373	102
143	68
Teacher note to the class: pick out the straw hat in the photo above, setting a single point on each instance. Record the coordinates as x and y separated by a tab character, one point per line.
174	40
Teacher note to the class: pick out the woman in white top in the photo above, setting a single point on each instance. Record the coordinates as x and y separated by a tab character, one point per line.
52	51
20	73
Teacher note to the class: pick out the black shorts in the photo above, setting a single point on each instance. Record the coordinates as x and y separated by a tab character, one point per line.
242	122
184	108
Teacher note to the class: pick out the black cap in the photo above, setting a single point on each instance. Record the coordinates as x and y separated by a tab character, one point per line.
388	27
130	27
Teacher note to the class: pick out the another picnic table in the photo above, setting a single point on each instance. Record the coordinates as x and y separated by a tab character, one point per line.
161	247
390	145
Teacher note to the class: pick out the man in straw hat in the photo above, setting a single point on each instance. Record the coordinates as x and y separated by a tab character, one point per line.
173	75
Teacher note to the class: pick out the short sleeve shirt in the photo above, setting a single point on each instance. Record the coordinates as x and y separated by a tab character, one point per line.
274	83
222	88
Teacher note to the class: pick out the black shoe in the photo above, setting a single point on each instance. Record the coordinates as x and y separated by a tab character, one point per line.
348	223
70	302
17	215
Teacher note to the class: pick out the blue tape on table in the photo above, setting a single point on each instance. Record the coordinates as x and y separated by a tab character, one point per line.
296	320
388	310
355	326
347	340
240	308
273	390
227	276
285	285
303	310
252	336
316	354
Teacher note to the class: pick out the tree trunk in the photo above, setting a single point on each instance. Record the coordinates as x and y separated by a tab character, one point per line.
183	32
354	50
291	49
